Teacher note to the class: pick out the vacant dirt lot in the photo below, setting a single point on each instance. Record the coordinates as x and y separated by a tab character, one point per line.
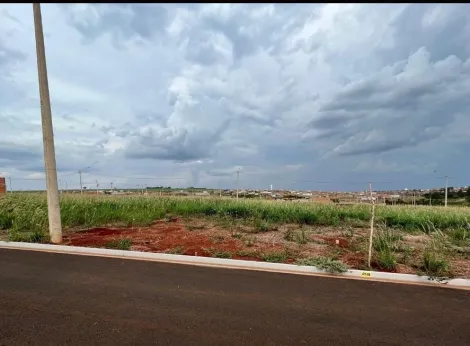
286	243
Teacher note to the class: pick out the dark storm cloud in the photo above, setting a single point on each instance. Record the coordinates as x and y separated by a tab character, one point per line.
396	108
180	146
441	28
13	152
10	59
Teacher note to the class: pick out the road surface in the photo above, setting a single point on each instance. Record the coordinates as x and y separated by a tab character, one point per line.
57	299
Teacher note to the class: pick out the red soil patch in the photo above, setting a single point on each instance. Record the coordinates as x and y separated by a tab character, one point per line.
162	236
354	260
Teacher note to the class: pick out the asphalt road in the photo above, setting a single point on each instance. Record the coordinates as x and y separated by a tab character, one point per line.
56	299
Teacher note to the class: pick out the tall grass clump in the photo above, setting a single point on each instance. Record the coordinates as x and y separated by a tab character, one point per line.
386	243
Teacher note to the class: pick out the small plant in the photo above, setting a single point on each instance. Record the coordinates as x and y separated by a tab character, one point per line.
428	227
276	256
217	238
407	254
121	244
178	250
435	266
237	235
194	227
459	236
349	232
301	237
249	242
261	226
216	253
223	254
387	259
385	240
324	263
289	235
248	253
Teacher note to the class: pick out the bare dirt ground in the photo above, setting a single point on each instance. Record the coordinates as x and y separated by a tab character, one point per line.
196	237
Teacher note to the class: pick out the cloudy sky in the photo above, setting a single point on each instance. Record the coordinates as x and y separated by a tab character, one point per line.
309	96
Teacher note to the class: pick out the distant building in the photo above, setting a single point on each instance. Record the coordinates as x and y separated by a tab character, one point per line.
3	186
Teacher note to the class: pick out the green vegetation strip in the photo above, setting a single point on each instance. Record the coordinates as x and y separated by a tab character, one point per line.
28	212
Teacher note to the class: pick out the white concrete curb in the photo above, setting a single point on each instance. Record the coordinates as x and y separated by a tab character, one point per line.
235	264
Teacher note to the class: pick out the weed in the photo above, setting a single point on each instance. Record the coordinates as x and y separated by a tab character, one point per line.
237	235
349	233
407	254
28	237
216	253
324	263
301	237
222	254
194	227
459	236
250	241
336	253
248	253
261	225
217	238
386	240
178	250
276	256
289	235
434	265
428	227
120	244
387	259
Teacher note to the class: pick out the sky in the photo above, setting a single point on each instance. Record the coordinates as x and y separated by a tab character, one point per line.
300	96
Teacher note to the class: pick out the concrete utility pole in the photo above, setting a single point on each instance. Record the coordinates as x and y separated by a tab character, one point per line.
445	196
238	178
111	185
81	186
97	185
9	180
53	206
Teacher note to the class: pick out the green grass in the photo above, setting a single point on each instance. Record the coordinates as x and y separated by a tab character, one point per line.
218	254
121	244
178	250
28	237
324	263
301	237
386	259
435	265
386	240
28	212
274	257
460	236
